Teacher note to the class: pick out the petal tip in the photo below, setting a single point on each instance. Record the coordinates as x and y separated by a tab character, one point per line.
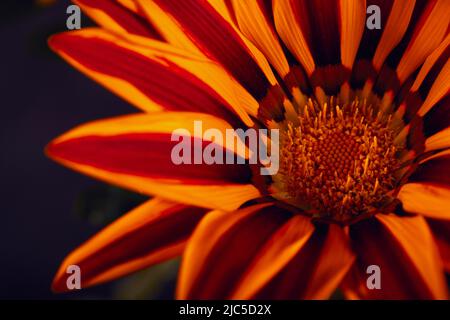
59	283
53	41
50	150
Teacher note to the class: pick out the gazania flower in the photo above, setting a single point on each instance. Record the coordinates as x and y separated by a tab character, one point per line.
364	124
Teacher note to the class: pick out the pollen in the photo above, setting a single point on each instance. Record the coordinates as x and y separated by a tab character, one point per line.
338	162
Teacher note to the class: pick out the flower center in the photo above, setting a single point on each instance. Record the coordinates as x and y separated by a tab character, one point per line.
337	163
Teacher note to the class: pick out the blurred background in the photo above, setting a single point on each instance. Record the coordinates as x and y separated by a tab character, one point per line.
47	210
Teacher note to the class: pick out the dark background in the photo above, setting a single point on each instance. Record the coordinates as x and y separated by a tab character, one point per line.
47	210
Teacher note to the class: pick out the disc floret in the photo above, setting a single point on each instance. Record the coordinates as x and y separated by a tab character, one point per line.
338	162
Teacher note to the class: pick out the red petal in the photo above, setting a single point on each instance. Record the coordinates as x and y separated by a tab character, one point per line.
113	16
149	234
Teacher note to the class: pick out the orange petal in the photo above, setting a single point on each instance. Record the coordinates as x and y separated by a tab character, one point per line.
291	33
440	88
427	199
404	250
353	22
438	54
440	140
429	33
317	269
154	232
429	95
396	26
224	8
222	247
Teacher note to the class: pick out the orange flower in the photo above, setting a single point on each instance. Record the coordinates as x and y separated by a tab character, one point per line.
364	145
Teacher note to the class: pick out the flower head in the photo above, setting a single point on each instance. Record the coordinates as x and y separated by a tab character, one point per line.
364	160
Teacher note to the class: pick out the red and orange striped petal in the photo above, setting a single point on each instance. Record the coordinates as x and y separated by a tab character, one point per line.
168	27
438	91
426	97
405	251
225	245
153	232
427	103
317	269
135	152
427	199
435	60
290	31
153	75
118	17
174	33
219	40
437	104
